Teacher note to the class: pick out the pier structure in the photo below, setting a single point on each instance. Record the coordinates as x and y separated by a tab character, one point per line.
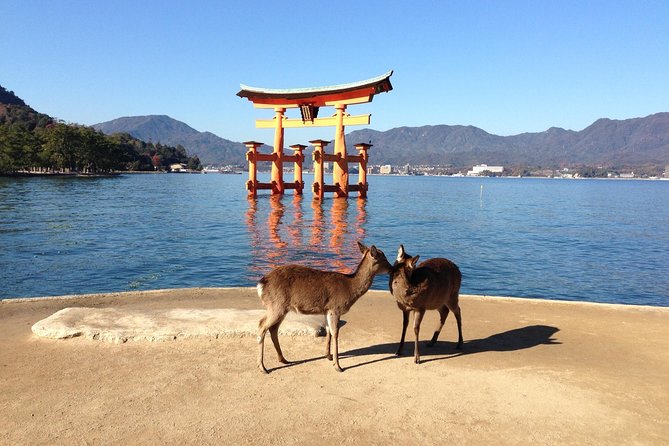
310	101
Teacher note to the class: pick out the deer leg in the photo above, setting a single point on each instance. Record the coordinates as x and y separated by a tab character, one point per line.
443	314
417	319
265	323
328	339
274	333
458	318
405	324
261	343
333	323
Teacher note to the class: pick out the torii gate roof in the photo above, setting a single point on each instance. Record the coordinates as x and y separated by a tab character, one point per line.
352	93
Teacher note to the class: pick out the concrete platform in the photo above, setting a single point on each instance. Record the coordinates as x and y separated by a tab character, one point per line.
530	372
122	325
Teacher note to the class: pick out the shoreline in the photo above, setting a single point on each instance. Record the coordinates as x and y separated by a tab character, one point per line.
307	172
161	291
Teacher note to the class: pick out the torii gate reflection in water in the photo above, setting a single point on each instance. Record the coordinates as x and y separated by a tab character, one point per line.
303	232
309	101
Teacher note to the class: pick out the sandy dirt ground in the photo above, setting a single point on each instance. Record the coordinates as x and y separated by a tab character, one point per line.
531	372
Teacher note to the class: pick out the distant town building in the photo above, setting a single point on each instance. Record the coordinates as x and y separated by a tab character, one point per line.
481	168
386	170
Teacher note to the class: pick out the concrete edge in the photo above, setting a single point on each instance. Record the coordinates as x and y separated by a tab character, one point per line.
480	297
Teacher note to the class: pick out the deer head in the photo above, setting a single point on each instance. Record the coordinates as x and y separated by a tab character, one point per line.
379	261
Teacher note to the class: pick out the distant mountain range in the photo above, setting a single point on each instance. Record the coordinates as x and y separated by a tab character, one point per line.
629	142
210	148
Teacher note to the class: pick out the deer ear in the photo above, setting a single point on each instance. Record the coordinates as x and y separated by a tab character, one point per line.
413	261
374	251
362	247
400	253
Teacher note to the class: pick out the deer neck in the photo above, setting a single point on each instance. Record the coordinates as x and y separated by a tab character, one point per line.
362	278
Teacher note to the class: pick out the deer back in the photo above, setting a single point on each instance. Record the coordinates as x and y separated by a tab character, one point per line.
311	291
303	289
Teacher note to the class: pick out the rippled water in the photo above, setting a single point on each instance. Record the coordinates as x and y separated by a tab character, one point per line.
590	240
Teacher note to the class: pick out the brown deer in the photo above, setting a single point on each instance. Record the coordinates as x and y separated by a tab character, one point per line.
311	291
434	285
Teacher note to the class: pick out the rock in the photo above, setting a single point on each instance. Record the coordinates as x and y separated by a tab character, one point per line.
121	325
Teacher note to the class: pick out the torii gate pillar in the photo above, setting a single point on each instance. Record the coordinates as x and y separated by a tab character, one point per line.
277	163
298	159
319	174
362	168
340	170
252	157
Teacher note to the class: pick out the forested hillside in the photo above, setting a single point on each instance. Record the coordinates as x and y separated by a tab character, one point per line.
35	142
211	149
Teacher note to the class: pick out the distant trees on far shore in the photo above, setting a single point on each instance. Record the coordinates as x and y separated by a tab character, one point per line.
29	143
34	142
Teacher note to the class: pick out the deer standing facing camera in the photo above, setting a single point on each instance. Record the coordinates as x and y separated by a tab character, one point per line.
433	285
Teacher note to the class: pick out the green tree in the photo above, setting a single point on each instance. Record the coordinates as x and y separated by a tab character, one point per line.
7	150
18	149
194	163
63	145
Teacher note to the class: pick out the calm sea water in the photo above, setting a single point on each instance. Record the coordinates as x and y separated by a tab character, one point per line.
587	240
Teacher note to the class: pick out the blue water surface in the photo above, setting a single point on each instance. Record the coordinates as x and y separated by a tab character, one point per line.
585	240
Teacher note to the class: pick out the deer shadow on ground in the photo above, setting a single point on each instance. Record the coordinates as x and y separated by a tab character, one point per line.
508	341
293	363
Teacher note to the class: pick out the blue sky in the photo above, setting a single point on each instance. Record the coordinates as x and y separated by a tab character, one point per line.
507	67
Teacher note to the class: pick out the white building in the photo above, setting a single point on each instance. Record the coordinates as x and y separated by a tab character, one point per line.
479	169
177	167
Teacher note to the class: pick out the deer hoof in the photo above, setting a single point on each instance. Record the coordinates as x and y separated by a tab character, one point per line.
417	360
337	368
431	343
263	369
329	357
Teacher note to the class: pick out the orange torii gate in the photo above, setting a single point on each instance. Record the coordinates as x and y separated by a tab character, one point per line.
309	101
